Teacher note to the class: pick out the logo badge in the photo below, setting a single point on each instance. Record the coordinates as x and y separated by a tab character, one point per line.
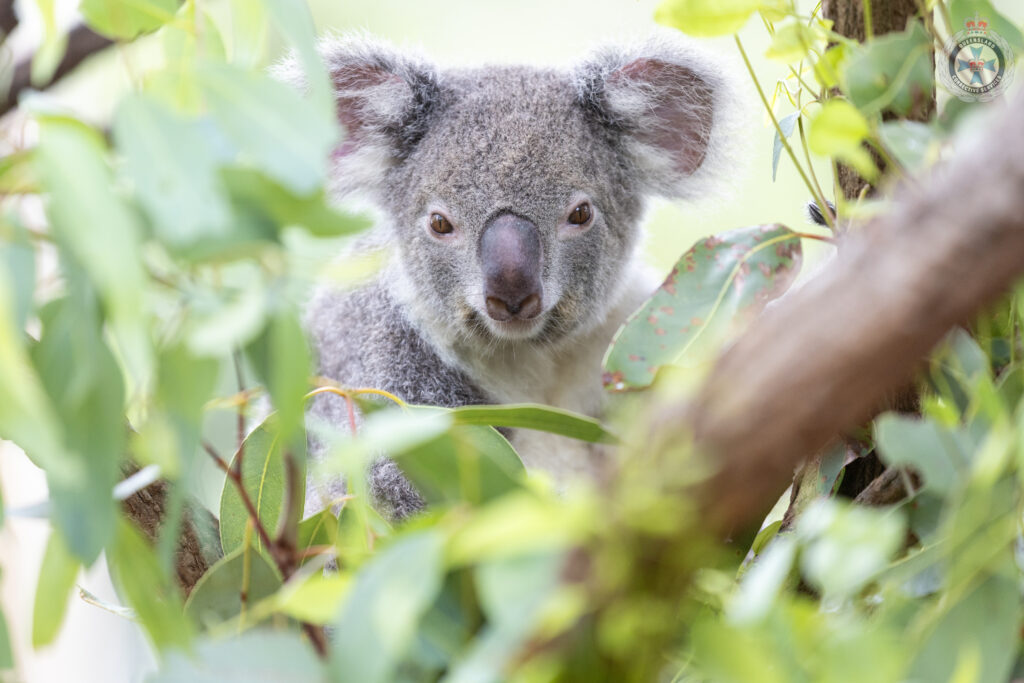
979	62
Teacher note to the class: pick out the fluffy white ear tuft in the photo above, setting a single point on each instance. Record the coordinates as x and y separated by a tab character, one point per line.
671	107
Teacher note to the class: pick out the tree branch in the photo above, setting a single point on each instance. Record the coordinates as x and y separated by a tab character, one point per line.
83	42
826	356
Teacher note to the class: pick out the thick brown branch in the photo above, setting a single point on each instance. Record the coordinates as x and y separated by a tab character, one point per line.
825	357
82	43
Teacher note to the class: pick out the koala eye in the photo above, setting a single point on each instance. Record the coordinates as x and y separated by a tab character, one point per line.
440	224
581	214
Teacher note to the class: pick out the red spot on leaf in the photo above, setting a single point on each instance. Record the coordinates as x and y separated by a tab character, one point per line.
659	331
667	310
652	319
696	321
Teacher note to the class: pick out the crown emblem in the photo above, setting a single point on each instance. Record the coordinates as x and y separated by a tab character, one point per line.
976	26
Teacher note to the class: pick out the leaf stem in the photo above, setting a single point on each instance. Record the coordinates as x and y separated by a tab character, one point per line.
789	150
826	210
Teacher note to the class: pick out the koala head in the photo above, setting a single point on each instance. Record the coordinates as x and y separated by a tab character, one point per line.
514	194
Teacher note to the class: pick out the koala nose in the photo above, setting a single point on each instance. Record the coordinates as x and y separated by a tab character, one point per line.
510	253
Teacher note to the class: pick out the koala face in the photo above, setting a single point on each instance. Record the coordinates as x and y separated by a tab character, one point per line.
515	219
514	194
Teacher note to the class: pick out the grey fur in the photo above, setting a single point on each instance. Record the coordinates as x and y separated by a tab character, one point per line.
625	124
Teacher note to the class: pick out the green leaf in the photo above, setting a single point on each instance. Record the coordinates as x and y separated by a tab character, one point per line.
828	67
51	52
763	582
316	599
468	463
18	257
705	18
86	387
191	37
787	124
285	136
271	203
259	655
838	130
319	530
56	579
6	655
792	42
910	142
985	622
263	479
157	602
217	596
720	281
962	10
18	173
126	19
282	360
893	72
846	546
534	416
182	194
378	622
93	224
249	30
924	445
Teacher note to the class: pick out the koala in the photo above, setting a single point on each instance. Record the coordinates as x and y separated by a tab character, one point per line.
510	202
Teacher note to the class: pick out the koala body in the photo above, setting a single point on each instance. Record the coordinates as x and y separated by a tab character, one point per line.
511	200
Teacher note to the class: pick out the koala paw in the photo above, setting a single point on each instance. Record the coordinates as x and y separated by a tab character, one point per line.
392	493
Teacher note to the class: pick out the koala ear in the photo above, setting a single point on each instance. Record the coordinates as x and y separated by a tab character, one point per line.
664	104
384	99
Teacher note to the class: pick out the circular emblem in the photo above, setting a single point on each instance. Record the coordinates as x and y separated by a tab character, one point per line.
979	62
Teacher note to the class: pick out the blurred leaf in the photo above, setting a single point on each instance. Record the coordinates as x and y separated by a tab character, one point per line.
962	10
513	592
6	655
908	141
126	19
891	72
182	194
49	54
192	36
249	32
987	621
469	463
275	204
316	599
86	388
828	67
719	282
157	603
184	384
18	173
792	42
18	258
281	359
296	25
534	416
705	18
837	130
263	478
285	136
318	530
217	596
924	445
230	315
787	124
56	579
264	656
90	221
378	621
763	582
846	546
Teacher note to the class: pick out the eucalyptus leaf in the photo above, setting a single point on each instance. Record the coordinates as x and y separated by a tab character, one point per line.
718	283
217	596
56	579
893	72
379	619
534	416
258	655
264	480
786	124
126	19
706	18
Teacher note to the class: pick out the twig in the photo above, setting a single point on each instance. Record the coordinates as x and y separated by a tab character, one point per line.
242	405
236	478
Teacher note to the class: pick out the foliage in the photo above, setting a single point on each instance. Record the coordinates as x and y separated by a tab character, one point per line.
180	239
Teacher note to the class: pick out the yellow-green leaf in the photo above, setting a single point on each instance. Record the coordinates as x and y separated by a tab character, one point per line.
705	17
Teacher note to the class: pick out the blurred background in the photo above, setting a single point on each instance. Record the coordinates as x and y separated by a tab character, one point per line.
99	646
